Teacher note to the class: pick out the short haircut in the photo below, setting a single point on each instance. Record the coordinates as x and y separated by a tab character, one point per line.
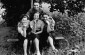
40	15
35	2
45	14
25	16
36	13
22	16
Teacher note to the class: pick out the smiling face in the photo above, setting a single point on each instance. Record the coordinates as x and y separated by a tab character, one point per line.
36	16
36	6
45	16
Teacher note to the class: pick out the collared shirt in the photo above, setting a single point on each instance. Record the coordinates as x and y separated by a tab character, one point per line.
36	26
31	12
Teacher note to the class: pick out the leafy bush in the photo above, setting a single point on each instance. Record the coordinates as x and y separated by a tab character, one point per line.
72	28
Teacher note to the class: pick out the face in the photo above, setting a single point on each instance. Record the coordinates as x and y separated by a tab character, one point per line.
36	16
24	18
36	6
45	17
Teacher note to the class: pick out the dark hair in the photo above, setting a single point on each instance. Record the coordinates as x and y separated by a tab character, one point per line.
25	16
40	14
22	16
45	14
35	13
35	2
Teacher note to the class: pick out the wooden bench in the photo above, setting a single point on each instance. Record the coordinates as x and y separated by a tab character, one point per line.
62	38
12	40
57	38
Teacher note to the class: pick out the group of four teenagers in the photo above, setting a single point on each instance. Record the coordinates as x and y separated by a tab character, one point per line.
37	22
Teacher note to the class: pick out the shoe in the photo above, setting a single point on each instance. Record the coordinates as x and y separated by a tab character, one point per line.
37	53
25	54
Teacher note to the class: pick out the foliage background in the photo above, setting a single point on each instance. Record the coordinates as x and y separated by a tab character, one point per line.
71	28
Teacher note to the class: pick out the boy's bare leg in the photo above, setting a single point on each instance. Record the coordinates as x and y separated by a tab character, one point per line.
36	41
25	41
50	40
25	46
24	32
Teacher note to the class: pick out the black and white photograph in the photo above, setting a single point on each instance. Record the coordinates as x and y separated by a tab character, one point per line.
42	27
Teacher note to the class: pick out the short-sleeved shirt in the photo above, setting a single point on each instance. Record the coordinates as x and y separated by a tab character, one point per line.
31	12
39	25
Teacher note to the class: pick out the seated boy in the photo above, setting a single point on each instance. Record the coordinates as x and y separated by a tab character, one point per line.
37	28
50	30
22	28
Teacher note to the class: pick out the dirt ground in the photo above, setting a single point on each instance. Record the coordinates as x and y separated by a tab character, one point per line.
12	48
15	48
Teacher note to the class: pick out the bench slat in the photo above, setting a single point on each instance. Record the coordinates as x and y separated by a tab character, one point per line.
12	40
59	38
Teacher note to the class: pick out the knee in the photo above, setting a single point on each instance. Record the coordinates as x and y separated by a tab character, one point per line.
49	37
36	40
26	40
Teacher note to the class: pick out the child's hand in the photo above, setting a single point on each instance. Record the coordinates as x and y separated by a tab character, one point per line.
47	22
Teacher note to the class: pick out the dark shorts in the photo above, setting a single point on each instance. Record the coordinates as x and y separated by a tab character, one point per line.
32	36
52	34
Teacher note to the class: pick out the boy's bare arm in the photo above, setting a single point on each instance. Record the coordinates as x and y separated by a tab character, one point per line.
29	13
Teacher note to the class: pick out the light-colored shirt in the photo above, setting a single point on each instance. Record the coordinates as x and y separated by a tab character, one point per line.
31	12
36	25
